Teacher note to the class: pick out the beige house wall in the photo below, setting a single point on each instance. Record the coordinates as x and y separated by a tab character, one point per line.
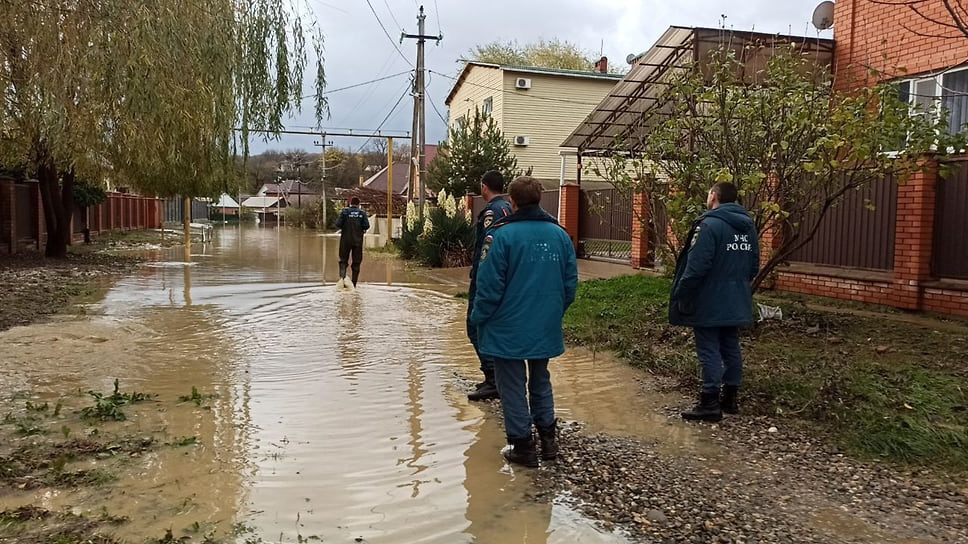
547	113
482	82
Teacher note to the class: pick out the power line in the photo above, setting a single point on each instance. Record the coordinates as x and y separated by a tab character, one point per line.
385	3
406	91
393	43
435	105
360	84
498	90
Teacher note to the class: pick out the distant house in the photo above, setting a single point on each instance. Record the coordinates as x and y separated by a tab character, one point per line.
266	208
535	108
295	193
226	205
401	176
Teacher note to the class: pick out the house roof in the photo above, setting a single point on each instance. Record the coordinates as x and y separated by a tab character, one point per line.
261	202
288	187
225	201
636	104
526	70
401	175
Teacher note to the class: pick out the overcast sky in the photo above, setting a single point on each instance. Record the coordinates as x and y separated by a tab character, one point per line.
357	50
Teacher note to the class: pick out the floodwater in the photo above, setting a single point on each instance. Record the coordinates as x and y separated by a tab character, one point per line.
329	413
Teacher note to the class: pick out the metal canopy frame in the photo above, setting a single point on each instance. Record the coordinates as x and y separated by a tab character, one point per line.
635	104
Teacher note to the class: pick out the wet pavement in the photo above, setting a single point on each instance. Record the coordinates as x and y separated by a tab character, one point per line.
324	412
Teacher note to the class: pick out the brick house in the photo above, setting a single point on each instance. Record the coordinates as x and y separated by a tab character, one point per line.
911	252
924	222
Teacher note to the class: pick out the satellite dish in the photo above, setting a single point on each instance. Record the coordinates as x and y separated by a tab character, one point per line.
823	16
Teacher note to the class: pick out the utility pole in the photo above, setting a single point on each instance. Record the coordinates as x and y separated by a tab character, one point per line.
421	96
414	151
322	159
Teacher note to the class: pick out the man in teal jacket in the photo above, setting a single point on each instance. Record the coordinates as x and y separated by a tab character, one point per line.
526	279
712	294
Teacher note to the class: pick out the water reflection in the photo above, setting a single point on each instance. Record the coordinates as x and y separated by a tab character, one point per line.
336	413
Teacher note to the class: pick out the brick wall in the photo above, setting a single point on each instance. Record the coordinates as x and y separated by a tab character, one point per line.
640	231
569	197
886	37
910	285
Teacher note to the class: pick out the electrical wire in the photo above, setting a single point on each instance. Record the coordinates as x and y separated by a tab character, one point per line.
360	84
393	43
395	21
406	92
435	105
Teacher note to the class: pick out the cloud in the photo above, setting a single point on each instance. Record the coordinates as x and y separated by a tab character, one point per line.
357	49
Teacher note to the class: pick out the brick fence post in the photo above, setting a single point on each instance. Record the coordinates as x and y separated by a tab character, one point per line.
914	236
640	231
568	198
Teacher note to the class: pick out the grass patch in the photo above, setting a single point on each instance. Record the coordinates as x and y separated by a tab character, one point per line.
883	388
108	407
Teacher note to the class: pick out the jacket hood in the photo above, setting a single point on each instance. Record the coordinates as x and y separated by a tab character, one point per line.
733	214
527	213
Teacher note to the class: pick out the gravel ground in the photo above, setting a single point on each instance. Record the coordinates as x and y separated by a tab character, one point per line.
760	486
757	482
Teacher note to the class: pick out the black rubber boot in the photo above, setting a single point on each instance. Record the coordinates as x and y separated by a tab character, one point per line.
729	400
549	441
356	276
487	390
342	270
708	409
521	452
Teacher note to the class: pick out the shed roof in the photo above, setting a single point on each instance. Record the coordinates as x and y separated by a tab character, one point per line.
636	103
261	202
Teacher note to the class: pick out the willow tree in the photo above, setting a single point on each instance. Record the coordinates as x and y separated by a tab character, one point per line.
147	94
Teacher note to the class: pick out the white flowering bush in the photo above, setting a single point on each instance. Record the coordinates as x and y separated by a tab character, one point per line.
445	236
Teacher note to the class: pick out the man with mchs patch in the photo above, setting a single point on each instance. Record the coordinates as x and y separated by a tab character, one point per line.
492	185
352	222
712	293
527	278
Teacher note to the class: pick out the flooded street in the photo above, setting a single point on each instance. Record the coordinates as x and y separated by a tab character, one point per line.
316	411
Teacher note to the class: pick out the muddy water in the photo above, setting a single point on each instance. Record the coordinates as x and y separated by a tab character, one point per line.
329	413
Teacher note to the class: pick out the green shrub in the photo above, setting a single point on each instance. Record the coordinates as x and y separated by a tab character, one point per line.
444	238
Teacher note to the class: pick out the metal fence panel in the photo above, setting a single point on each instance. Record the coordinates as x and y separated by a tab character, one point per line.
858	233
950	251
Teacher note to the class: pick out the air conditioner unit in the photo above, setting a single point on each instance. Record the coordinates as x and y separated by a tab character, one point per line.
522	83
521	140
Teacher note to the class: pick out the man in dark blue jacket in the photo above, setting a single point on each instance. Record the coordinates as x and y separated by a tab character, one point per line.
712	294
352	222
492	185
527	279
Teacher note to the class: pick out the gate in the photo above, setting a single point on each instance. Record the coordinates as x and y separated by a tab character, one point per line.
605	225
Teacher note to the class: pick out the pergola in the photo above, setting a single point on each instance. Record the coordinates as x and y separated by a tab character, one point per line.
637	103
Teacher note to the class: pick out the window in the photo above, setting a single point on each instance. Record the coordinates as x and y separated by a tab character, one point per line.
945	92
955	99
488	106
460	121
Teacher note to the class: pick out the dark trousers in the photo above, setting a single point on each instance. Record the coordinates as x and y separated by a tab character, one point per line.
720	357
345	249
487	363
526	395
